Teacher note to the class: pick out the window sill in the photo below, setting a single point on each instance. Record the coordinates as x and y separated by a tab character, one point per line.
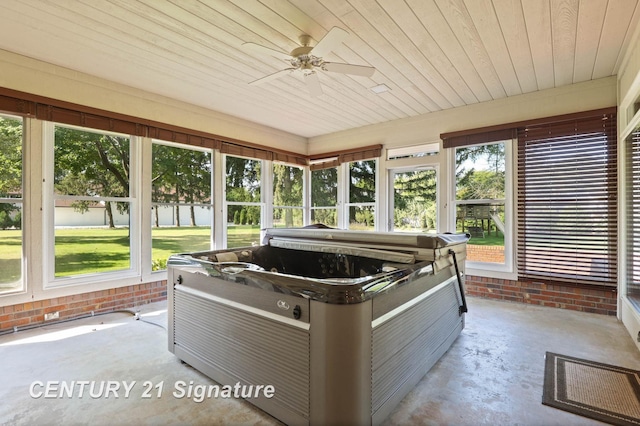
490	271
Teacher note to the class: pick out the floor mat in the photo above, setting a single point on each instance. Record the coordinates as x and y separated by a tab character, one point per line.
592	389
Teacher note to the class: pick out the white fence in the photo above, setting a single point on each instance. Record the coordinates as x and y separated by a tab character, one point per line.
97	216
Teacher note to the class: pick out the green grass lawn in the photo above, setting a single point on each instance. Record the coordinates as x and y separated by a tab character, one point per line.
91	250
10	256
488	240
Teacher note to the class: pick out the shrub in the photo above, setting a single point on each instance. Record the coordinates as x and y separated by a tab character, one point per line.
159	264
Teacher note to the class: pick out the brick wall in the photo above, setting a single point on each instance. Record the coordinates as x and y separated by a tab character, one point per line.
535	293
494	254
597	301
582	299
78	305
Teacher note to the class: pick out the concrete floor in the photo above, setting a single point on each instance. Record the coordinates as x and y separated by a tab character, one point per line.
492	374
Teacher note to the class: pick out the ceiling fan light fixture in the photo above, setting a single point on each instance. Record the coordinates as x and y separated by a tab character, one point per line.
380	88
306	59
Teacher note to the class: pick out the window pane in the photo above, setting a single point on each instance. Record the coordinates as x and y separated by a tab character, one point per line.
327	217
287	185
243	226
362	181
10	247
10	204
91	235
86	244
481	175
480	172
10	158
90	164
181	175
361	218
168	239
324	187
243	179
414	201
287	218
485	224
243	186
182	209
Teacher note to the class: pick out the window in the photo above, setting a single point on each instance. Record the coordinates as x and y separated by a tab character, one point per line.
362	193
416	151
567	206
92	202
481	173
414	200
324	196
11	197
287	196
633	215
182	202
243	201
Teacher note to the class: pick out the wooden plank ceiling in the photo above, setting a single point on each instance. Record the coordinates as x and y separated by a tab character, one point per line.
432	54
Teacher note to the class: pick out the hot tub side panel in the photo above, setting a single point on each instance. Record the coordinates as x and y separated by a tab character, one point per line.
409	340
233	343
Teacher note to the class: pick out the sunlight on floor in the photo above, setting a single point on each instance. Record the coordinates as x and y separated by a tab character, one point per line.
46	335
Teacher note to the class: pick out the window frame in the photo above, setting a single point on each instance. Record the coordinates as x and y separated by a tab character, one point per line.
630	286
506	270
22	201
303	205
210	205
392	171
49	197
265	188
346	191
339	191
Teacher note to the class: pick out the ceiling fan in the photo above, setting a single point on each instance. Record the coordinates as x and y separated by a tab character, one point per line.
308	60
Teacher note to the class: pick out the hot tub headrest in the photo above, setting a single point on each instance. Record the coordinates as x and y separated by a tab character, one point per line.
414	240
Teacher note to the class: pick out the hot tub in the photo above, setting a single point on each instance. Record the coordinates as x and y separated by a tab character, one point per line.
342	324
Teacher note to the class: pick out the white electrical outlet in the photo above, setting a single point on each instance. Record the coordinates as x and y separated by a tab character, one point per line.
52	316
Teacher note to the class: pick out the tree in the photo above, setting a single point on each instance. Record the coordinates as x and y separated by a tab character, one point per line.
10	157
164	170
181	176
324	187
287	189
362	189
362	181
195	169
91	164
415	198
10	170
243	185
324	193
491	156
480	175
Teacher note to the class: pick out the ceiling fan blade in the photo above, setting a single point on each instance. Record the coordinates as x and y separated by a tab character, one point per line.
330	41
348	69
313	84
273	76
266	50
